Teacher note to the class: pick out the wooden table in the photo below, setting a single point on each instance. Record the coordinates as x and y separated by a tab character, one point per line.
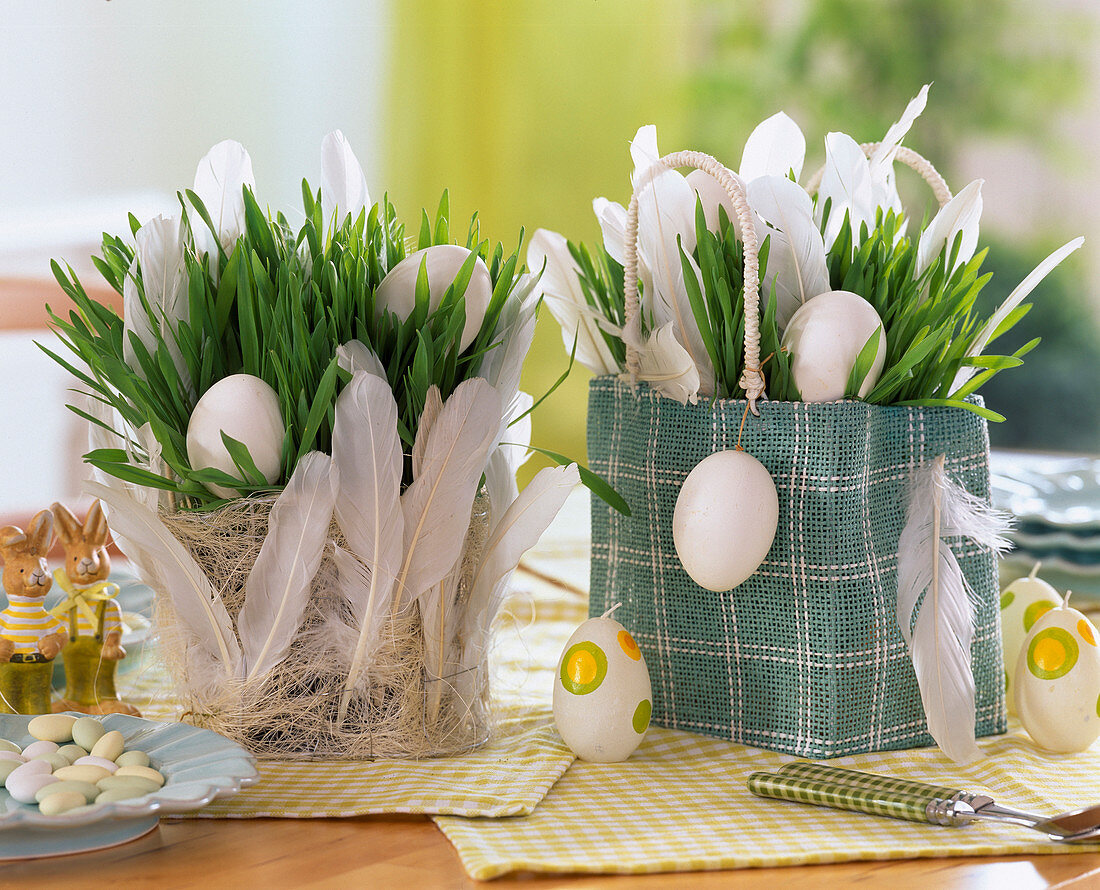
409	852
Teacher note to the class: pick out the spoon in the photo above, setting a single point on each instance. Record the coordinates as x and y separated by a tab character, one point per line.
905	799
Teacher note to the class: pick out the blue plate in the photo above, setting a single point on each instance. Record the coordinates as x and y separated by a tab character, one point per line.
198	766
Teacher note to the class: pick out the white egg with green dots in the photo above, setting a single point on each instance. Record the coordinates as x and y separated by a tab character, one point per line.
1023	602
1057	683
602	694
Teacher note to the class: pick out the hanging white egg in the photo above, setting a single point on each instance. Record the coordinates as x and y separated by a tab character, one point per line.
1022	604
397	291
1058	681
824	337
725	519
602	694
245	408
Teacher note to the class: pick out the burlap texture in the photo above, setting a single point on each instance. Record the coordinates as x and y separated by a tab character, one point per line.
805	656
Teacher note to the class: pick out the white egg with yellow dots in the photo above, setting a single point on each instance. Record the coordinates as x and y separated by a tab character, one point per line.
602	694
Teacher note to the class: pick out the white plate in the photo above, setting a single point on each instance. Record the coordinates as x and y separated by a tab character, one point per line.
1053	491
198	765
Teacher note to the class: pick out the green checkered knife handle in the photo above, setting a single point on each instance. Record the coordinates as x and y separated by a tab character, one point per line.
876	802
836	775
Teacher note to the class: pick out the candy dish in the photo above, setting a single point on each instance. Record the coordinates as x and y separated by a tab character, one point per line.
1055	491
199	766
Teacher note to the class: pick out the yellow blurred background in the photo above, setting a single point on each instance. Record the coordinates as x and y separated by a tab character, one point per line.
525	111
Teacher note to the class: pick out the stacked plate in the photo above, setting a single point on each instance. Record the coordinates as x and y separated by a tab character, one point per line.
1055	500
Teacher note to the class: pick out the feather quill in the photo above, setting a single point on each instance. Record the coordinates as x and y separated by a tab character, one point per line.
436	506
193	597
962	214
219	181
796	256
343	186
278	587
549	252
366	450
775	148
846	184
934	607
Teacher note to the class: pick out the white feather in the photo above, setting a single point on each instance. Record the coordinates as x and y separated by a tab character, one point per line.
147	459
433	404
666	221
774	148
514	534
884	192
193	598
796	254
355	355
612	219
506	459
343	186
934	608
278	587
643	151
437	505
219	181
962	214
1014	299
667	367
366	449
159	262
711	197
847	183
502	365
559	284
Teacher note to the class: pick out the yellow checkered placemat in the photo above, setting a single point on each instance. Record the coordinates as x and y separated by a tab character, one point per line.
680	804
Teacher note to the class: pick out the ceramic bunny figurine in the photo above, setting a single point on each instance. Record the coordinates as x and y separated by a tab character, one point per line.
30	637
91	613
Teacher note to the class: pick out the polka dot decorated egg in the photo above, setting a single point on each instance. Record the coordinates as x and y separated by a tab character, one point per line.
1023	602
602	694
1057	682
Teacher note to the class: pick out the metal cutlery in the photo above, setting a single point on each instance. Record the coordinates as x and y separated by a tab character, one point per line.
830	786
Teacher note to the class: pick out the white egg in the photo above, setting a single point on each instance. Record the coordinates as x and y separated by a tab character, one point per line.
824	337
602	695
1058	682
725	519
245	408
1022	603
397	291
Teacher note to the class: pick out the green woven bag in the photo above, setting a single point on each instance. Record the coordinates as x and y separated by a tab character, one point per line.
805	656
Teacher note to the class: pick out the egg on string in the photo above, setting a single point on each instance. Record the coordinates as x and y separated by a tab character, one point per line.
1057	682
824	338
602	694
245	408
1023	602
725	519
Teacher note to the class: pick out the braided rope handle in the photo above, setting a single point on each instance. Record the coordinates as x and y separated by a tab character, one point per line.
911	159
752	380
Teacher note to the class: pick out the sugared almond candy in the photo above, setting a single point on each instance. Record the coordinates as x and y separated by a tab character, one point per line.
108	765
52	727
132	758
23	785
83	773
144	772
62	802
7	767
44	746
5	745
72	753
87	731
110	745
55	760
86	789
143	785
11	755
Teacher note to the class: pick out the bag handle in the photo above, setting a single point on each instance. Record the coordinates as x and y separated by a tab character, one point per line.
911	159
752	379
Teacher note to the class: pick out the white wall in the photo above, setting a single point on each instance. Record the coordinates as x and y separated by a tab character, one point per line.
107	107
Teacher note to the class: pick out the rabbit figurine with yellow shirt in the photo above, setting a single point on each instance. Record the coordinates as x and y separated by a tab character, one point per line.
91	613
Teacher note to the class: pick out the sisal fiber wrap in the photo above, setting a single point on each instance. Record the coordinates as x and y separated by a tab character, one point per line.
804	657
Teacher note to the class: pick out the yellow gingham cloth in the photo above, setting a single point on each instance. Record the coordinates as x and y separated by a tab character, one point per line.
678	804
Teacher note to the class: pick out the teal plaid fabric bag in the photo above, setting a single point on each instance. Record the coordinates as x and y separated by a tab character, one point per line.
805	656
